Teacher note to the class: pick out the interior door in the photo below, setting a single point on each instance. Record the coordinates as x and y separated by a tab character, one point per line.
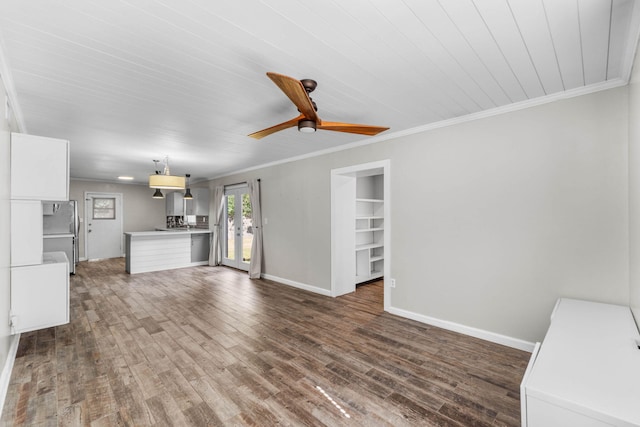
103	225
239	227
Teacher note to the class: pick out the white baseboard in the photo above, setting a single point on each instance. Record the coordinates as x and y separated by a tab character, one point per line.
466	330
5	375
314	289
444	324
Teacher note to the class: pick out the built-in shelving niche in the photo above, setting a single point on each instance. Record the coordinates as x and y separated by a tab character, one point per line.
369	228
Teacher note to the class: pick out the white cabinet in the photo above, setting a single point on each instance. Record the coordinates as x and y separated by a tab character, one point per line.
200	247
369	239
39	281
26	232
199	205
174	203
40	294
39	168
587	371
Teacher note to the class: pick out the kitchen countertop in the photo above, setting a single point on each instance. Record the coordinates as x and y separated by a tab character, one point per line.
168	232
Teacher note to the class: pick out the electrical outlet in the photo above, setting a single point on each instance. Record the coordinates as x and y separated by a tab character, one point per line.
393	283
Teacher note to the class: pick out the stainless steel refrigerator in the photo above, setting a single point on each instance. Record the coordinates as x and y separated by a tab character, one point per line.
60	224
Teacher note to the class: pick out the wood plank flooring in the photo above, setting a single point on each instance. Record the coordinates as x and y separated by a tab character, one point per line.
207	346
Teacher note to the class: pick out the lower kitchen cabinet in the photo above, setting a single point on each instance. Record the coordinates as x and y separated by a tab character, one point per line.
165	250
200	247
40	294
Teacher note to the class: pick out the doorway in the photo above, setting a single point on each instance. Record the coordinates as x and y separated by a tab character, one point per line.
238	230
361	227
103	225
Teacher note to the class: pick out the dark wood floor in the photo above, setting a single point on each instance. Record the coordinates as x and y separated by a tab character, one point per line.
207	346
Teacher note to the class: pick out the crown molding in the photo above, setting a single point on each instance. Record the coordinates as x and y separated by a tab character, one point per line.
522	105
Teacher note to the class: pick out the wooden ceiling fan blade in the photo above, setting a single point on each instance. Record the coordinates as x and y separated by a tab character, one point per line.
295	91
352	128
273	129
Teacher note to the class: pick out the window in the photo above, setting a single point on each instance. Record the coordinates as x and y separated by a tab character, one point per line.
104	208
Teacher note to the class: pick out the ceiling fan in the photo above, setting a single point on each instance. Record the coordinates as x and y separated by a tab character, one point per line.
308	121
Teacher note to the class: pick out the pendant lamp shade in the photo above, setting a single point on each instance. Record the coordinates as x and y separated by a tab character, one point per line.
165	180
168	182
187	194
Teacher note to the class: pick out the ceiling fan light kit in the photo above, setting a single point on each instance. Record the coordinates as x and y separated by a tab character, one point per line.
308	121
306	126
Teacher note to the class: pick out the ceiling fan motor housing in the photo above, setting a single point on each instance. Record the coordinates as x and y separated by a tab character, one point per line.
309	85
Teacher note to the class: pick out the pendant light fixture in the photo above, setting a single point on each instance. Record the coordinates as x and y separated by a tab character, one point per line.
158	194
165	180
188	195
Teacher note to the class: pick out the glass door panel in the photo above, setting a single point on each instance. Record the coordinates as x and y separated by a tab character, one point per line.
239	228
230	251
247	228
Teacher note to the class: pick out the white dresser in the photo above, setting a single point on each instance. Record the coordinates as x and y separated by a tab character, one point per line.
587	370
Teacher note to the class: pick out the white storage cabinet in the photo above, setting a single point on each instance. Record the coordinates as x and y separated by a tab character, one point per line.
39	168
587	370
40	294
39	281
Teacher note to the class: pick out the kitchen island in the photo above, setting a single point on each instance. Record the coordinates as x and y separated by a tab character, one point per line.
165	250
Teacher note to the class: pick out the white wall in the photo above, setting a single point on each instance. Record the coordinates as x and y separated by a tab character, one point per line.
141	212
7	125
5	209
634	190
492	220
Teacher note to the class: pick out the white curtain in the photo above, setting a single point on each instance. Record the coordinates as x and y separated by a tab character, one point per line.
255	266
215	252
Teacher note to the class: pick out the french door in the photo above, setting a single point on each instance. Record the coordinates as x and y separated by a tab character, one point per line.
238	227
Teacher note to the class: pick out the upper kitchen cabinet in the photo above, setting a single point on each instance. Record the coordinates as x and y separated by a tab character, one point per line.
199	205
39	168
175	203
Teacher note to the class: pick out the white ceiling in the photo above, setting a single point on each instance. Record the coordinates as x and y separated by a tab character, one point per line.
134	80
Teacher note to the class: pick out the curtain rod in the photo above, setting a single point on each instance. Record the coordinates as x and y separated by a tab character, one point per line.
238	183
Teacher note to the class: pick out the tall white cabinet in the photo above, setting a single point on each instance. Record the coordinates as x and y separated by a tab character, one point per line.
39	281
